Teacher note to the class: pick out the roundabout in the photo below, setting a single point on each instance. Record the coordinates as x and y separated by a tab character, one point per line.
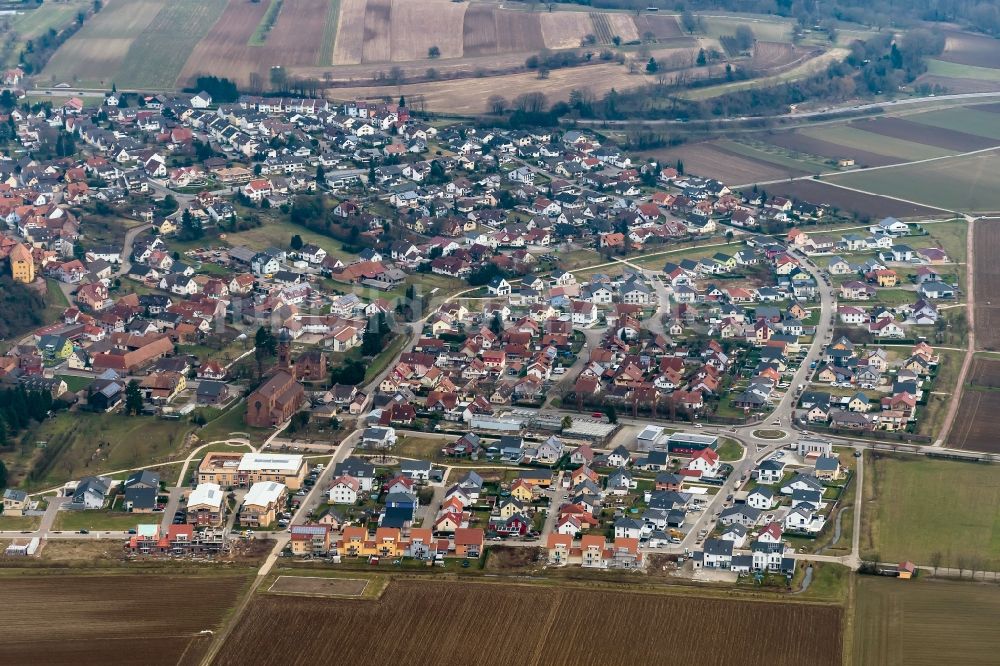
769	434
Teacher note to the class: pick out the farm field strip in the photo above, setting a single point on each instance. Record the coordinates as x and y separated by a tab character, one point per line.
172	35
557	630
266	23
97	619
771	30
325	58
864	204
319	586
971	49
417	26
377	45
97	51
809	145
987	285
917	133
969	183
963	119
565	30
915	622
953	70
662	27
856	139
348	45
712	160
909	498
792	165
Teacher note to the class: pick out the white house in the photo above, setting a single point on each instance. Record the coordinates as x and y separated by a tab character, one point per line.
344	490
761	498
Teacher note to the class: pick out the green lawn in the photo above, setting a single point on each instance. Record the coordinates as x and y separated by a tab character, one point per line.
266	23
73	521
967	184
75	384
917	621
230	422
730	450
13	523
931	416
916	507
279	234
949	235
380	362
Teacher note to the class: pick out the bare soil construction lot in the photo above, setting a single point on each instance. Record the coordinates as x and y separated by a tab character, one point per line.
319	587
553	626
870	206
106	619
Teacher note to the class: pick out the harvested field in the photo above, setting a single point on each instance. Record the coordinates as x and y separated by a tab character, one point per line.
377	46
866	206
469	95
349	43
914	622
602	27
295	40
812	146
518	31
623	26
557	627
987	285
968	49
969	183
977	422
96	52
479	31
101	619
318	586
712	161
417	25
910	131
661	27
768	55
565	30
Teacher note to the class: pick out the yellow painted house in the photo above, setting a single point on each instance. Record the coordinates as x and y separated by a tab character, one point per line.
22	264
521	491
166	227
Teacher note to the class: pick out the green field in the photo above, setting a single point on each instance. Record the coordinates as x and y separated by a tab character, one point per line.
98	443
32	24
114	521
12	523
949	235
955	70
279	234
730	450
932	415
230	422
962	119
849	137
156	57
776	30
968	184
917	622
329	34
916	508
266	23
775	155
74	383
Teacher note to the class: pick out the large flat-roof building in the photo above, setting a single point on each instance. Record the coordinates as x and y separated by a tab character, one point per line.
206	505
241	470
690	442
261	503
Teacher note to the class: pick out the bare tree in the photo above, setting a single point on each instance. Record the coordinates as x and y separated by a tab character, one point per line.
936	558
496	104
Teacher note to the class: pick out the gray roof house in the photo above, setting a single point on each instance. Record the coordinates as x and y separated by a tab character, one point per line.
141	489
90	493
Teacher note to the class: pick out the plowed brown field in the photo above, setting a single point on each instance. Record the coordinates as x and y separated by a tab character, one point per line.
440	623
109	619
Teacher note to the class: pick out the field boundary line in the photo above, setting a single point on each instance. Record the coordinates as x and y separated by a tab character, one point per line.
271	590
970	351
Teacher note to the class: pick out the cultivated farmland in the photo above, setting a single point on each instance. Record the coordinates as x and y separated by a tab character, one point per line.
987	284
553	626
102	619
978	420
968	49
858	140
294	41
909	498
661	27
809	145
963	183
711	160
865	206
565	30
915	622
917	133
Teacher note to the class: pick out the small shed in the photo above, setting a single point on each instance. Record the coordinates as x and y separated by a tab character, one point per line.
907	570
